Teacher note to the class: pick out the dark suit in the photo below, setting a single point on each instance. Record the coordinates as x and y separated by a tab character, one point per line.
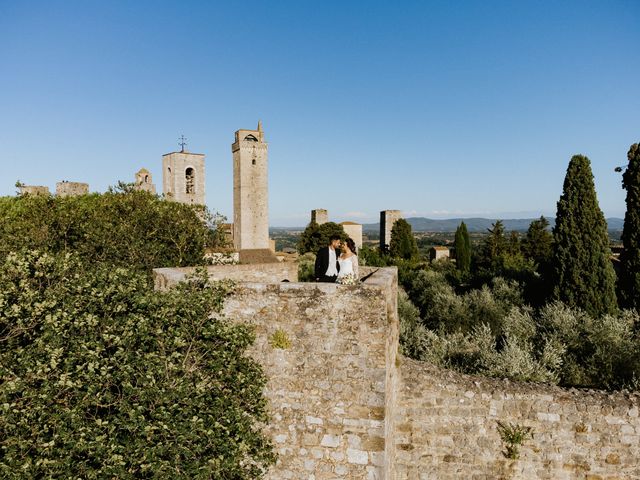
322	264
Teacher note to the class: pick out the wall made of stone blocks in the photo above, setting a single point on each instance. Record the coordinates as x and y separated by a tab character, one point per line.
71	189
446	429
329	393
165	278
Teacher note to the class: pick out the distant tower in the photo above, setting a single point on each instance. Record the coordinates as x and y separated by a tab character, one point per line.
319	216
183	176
250	200
144	181
387	219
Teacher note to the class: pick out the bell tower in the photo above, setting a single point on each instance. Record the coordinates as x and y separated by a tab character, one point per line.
183	176
250	192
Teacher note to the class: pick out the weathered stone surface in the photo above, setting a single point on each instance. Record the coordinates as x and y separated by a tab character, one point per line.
345	405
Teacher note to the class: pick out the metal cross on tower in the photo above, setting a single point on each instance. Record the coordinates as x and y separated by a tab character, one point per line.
182	143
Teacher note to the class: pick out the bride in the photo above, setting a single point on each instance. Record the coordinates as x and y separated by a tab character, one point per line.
348	261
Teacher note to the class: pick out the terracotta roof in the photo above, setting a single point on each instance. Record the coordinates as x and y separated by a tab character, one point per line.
350	223
440	248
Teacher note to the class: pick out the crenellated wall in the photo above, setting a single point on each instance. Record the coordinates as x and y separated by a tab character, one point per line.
345	405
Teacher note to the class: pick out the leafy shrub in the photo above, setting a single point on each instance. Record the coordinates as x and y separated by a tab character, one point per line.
130	229
101	377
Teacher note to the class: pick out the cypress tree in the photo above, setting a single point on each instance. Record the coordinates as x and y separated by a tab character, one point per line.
402	243
463	248
495	244
582	269
536	244
630	257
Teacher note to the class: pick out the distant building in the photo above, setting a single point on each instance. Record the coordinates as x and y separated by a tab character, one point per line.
71	189
438	253
353	230
387	219
33	190
144	182
319	216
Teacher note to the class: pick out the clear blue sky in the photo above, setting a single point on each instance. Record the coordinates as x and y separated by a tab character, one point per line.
437	108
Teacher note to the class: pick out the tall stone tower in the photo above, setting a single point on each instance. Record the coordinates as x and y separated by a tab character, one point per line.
250	200
183	177
319	216
387	219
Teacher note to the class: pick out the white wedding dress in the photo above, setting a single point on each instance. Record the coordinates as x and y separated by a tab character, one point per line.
348	266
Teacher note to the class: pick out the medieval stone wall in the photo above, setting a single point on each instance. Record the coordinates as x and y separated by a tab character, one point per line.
446	429
330	390
71	189
34	190
266	273
344	405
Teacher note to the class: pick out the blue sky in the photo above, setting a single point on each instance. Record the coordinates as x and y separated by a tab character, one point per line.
437	108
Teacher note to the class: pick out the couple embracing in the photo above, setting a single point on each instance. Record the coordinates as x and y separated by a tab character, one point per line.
337	262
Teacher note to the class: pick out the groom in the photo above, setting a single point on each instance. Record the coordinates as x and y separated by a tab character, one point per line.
327	266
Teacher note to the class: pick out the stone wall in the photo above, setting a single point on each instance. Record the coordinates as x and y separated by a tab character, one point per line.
34	190
345	405
71	189
446	429
266	273
331	390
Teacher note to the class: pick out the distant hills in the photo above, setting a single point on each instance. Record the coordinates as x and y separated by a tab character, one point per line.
421	224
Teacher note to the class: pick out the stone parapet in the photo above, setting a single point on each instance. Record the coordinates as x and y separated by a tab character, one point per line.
165	278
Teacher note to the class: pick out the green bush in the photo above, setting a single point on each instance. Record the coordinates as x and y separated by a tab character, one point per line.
128	228
306	267
102	377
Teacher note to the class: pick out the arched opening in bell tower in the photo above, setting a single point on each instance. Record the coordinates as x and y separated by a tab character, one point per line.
190	180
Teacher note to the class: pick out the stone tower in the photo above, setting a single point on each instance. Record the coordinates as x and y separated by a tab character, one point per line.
183	177
250	200
387	219
144	181
319	216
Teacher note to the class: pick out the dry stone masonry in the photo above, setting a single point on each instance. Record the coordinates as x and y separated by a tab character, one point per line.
345	405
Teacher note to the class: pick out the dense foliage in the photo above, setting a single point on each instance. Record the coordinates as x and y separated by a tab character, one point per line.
462	244
403	243
120	228
317	236
582	269
102	377
538	241
491	331
630	258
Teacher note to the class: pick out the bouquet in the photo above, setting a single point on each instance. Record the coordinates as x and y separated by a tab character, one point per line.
348	279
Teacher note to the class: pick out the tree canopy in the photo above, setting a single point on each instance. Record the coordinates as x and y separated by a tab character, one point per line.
582	269
317	236
121	228
462	245
403	243
630	257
